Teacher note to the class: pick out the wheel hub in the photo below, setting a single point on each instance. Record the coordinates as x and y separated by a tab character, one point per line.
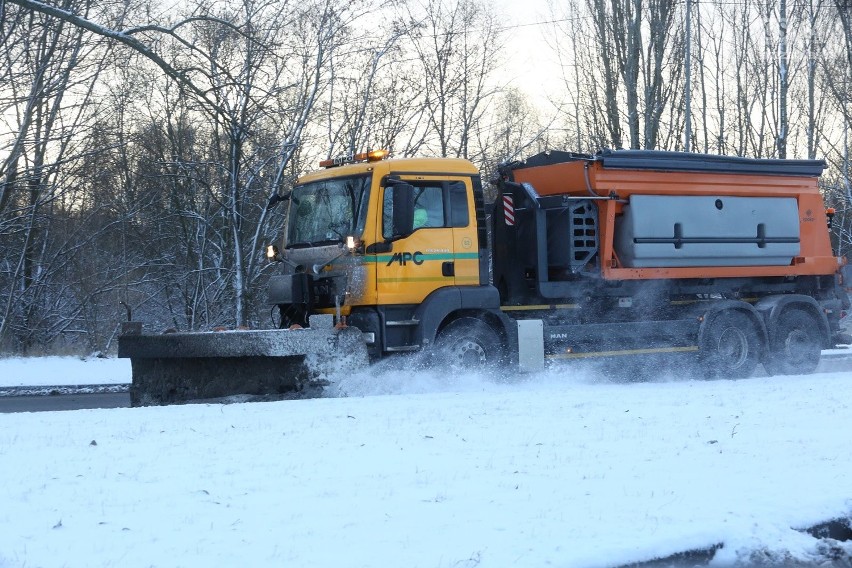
733	347
469	354
798	346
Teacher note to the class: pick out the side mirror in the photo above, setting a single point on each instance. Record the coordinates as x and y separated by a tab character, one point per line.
403	208
275	198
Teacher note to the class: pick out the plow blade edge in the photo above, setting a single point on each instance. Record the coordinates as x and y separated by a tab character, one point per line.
181	367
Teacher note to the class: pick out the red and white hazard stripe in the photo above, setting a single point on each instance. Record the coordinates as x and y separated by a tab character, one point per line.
509	210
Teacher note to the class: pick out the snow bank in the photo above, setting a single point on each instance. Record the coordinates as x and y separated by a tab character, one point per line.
50	371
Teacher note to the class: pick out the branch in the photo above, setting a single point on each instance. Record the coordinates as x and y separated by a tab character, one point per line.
171	30
124	38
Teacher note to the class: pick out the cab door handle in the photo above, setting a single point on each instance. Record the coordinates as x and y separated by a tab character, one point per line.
448	268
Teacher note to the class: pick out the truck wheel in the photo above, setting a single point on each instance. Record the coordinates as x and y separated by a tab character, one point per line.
731	346
469	343
794	345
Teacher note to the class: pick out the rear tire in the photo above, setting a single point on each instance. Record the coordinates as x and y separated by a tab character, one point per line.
469	344
730	347
795	344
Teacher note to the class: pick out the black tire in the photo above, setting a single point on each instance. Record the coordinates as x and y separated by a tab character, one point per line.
731	346
469	344
795	344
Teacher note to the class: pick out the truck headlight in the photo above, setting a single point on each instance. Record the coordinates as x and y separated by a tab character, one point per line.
272	252
353	244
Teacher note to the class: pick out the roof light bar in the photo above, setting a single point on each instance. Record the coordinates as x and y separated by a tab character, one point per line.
370	156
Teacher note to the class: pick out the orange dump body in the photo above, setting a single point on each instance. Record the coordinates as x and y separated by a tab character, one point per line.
592	177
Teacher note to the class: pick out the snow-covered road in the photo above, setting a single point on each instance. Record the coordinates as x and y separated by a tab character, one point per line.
423	469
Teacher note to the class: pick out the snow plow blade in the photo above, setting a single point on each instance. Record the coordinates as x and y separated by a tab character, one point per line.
181	367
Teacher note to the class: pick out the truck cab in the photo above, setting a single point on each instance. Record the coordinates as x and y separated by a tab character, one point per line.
395	247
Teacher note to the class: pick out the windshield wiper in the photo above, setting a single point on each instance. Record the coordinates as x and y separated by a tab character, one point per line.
310	244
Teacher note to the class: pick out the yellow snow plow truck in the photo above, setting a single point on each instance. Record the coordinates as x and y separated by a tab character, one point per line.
718	263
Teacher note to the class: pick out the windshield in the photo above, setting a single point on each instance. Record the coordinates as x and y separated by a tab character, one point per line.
326	211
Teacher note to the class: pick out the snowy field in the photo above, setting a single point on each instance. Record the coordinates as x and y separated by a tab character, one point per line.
419	469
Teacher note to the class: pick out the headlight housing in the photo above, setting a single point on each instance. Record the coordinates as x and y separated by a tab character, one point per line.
272	253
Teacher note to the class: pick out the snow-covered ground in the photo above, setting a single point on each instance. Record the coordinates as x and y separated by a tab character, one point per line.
422	469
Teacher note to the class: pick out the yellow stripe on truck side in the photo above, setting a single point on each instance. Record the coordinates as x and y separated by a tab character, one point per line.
540	307
625	352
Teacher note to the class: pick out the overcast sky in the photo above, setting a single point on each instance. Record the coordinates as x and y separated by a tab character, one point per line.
530	61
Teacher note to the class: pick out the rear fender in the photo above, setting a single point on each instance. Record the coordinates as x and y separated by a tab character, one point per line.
772	307
721	306
443	305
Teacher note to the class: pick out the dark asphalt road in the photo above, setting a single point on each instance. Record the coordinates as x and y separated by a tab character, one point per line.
64	402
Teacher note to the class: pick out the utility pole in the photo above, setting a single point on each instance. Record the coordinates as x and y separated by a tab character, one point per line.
846	186
687	135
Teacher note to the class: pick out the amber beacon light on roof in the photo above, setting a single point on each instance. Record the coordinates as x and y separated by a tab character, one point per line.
369	156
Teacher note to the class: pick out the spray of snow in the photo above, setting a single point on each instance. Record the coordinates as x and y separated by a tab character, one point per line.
409	374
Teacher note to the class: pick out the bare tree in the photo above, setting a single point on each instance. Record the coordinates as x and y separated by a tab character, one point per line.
361	85
456	48
266	71
51	74
637	64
